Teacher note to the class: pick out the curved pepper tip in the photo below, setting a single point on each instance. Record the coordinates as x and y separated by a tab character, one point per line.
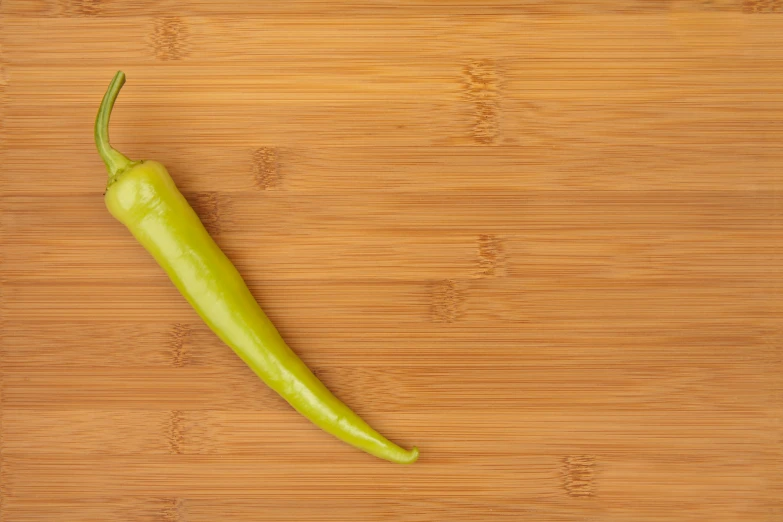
414	454
411	457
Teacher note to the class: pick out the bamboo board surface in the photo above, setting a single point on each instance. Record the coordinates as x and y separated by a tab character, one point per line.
541	240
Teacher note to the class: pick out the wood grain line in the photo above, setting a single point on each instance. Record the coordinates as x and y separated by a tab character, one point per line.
351	8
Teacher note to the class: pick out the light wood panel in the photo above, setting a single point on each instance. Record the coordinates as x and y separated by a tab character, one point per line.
539	240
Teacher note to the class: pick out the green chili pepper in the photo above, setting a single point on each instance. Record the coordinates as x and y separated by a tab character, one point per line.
142	196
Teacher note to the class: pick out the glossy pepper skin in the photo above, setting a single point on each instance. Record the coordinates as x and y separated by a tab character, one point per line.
143	197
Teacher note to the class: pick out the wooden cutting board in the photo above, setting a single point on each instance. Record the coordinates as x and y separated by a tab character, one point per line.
541	240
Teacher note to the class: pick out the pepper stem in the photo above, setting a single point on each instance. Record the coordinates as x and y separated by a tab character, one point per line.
114	160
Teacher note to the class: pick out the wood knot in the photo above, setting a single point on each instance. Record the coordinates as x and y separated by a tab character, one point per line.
175	432
180	335
174	510
84	7
169	39
762	6
714	5
266	168
491	256
579	475
207	207
447	301
482	90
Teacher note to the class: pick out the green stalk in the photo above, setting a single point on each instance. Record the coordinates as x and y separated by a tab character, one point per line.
115	161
